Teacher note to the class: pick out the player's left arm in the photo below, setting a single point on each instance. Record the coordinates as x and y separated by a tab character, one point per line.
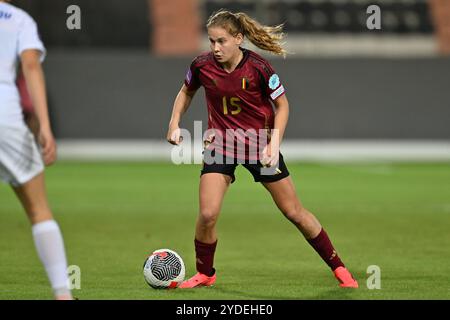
281	118
271	151
34	77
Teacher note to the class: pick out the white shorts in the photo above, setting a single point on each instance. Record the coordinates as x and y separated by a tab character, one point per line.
20	158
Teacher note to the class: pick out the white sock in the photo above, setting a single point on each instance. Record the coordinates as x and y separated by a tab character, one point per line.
50	247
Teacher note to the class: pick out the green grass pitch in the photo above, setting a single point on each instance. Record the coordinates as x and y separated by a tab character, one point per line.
395	216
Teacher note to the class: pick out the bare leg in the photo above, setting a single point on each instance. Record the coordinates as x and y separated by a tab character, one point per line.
46	233
213	187
285	197
33	197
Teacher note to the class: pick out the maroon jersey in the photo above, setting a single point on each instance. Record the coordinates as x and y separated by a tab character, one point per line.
239	103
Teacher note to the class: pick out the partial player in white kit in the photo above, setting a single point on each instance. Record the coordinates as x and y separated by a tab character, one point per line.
21	160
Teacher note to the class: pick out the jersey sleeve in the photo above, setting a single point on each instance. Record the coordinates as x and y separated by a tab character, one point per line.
192	81
272	84
29	38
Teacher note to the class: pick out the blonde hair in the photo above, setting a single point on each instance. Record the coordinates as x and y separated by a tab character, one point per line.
264	37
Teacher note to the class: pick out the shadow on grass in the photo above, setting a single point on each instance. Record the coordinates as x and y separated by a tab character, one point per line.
249	295
333	294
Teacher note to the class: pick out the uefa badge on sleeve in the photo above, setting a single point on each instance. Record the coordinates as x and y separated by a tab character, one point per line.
274	81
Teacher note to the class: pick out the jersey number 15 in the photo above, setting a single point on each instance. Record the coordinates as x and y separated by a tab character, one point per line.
234	109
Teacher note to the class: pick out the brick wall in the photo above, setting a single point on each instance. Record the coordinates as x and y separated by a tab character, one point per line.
440	12
176	27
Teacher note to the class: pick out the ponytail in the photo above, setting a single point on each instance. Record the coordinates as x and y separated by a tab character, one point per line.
264	37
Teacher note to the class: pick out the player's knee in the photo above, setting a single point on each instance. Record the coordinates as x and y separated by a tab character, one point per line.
208	217
295	213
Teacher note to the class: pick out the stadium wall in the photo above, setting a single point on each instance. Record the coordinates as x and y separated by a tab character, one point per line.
129	95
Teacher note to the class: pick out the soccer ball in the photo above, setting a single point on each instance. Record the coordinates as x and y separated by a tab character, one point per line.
164	268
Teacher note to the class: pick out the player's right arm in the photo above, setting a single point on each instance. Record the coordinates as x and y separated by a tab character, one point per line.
181	104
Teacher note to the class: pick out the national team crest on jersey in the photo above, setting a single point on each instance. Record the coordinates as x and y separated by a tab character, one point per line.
274	81
245	83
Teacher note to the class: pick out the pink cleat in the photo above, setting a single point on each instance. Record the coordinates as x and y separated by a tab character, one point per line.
199	280
345	278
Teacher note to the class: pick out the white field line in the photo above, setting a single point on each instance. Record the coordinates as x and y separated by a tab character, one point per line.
303	150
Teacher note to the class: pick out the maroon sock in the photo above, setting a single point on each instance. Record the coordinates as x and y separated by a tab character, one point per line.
325	249
204	253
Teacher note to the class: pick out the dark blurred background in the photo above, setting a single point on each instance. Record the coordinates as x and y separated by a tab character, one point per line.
117	77
105	23
115	23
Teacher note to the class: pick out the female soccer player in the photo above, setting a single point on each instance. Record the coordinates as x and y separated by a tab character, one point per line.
21	163
241	89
